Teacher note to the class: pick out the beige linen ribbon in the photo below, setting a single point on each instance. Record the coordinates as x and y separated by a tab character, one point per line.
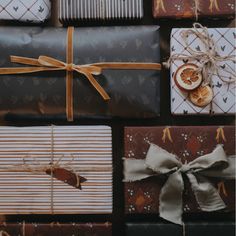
49	64
160	6
160	162
209	58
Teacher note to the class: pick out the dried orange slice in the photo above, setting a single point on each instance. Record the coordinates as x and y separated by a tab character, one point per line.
201	96
186	77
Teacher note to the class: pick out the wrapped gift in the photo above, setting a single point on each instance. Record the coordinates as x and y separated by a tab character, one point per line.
193	8
99	10
171	170
29	11
217	68
56	229
191	229
55	169
116	73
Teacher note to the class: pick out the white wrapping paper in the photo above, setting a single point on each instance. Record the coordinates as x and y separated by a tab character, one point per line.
34	11
224	93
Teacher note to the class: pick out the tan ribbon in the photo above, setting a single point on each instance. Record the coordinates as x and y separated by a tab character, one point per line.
214	3
220	134
159	162
44	63
209	58
196	8
221	186
167	134
160	6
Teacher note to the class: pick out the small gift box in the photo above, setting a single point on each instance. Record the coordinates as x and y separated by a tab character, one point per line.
34	11
102	72
193	8
211	54
179	169
191	229
56	229
57	169
99	10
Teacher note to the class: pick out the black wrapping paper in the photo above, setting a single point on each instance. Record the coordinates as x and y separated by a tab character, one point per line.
191	229
134	93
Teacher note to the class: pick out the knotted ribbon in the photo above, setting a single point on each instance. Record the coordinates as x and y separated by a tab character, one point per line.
160	162
209	58
44	63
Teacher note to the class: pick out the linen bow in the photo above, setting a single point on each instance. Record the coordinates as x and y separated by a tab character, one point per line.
160	162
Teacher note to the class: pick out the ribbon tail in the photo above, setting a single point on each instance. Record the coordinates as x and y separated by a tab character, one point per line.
94	82
171	204
206	194
135	169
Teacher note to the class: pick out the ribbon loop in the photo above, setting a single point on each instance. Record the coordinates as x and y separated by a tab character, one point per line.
158	162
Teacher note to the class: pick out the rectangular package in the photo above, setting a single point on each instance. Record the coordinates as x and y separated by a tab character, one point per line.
134	93
73	10
187	143
224	101
56	169
56	229
32	11
193	229
193	8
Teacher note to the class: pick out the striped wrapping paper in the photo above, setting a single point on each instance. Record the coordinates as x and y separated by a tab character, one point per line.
70	10
23	192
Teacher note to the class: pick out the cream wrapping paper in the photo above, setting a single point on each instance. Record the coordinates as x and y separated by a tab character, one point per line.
86	149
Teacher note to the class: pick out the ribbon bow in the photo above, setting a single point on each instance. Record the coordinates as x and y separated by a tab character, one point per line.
160	6
160	162
44	63
209	58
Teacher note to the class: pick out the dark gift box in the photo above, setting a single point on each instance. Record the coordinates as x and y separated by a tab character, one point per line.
191	229
29	229
193	8
105	10
134	92
188	144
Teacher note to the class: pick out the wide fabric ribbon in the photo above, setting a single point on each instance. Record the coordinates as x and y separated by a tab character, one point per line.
160	162
44	63
209	57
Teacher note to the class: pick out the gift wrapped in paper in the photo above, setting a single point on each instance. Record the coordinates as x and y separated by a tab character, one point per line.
193	8
94	72
55	229
55	170
171	170
191	229
33	11
74	10
213	52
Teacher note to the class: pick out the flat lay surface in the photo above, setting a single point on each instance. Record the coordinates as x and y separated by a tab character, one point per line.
121	146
